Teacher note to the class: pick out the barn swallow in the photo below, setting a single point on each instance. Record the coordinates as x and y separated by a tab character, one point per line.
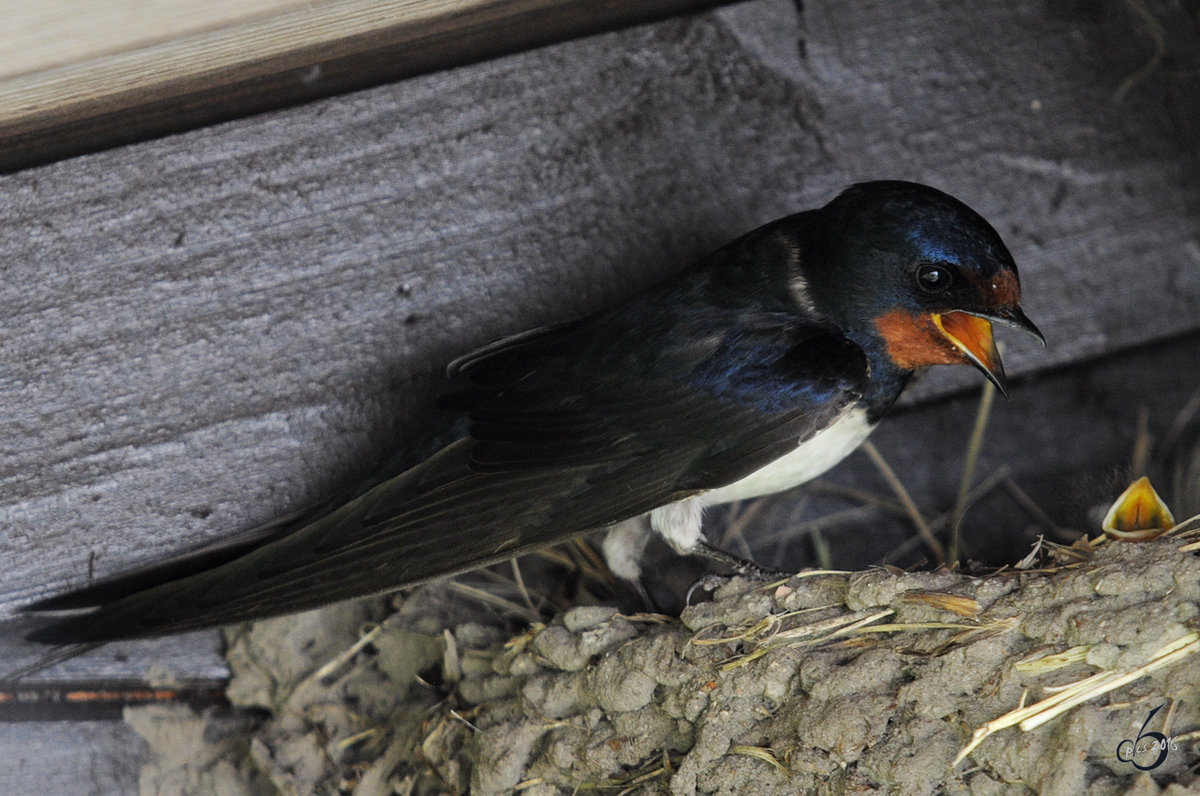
755	370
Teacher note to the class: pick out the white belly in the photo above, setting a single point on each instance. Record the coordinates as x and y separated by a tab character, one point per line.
810	458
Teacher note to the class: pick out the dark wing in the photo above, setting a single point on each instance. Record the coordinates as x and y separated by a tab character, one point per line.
570	429
441	431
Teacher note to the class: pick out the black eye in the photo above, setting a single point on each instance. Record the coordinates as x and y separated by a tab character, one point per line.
934	278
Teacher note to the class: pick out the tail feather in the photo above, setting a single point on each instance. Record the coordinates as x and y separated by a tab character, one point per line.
125	584
73	630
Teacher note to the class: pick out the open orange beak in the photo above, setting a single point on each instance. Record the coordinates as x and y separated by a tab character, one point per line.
1138	515
972	334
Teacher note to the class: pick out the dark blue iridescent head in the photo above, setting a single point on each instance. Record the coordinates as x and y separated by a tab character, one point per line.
910	270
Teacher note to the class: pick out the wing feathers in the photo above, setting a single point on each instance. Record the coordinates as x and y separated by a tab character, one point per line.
570	428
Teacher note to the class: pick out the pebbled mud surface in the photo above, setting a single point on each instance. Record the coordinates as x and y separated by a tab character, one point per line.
864	682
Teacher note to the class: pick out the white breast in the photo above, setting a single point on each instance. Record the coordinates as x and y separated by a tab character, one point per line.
810	458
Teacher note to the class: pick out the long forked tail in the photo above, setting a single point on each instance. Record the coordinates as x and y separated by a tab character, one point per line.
70	633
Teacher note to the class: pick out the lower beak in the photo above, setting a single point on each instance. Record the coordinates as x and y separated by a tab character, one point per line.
973	336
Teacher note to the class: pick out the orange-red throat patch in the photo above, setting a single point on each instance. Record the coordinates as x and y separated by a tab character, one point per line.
915	341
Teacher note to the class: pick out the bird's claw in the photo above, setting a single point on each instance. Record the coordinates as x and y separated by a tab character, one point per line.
740	566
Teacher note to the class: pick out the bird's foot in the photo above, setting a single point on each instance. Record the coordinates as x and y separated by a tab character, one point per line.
740	566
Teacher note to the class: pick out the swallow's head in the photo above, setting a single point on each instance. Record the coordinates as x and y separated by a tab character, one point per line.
916	273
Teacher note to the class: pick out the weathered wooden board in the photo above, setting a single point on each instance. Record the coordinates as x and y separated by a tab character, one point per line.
203	331
77	76
95	757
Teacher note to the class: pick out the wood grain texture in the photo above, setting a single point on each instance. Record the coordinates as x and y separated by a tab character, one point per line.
204	331
78	77
70	758
54	33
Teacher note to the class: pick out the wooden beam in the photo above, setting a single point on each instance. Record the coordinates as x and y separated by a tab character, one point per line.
78	77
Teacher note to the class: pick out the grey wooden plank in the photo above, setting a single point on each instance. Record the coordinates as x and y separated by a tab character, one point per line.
72	759
400	45
210	329
179	660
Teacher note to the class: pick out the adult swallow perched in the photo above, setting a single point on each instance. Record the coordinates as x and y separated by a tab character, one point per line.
755	370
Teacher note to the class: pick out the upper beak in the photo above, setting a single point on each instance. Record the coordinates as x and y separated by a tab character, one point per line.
1014	317
972	334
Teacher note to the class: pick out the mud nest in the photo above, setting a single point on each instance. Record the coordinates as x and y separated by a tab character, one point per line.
831	682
